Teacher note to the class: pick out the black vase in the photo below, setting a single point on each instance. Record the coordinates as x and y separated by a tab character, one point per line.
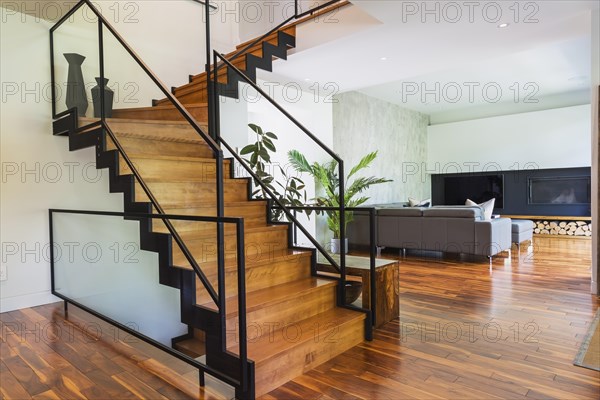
109	95
76	96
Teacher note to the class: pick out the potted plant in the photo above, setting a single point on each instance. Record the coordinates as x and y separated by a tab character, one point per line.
291	192
327	176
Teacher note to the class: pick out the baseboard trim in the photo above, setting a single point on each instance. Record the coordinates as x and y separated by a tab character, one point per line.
25	301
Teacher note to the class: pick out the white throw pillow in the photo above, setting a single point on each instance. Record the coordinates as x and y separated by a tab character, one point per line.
488	207
416	203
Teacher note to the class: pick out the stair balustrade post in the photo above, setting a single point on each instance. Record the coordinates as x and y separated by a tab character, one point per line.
342	220
102	80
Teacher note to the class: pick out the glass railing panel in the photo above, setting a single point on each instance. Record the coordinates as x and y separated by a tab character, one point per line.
99	262
76	64
128	86
275	148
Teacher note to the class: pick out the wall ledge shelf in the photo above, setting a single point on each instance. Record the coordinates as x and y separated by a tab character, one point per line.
548	217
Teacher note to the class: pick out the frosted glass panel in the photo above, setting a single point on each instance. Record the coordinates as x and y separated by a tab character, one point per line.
99	263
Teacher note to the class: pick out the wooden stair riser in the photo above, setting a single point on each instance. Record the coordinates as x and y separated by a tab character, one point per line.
319	348
253	212
166	113
161	147
183	227
258	275
259	246
277	315
155	130
190	193
157	169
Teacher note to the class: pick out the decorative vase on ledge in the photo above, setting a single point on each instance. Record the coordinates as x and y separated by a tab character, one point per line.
108	98
76	96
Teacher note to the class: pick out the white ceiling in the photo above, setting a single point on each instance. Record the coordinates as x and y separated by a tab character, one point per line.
549	60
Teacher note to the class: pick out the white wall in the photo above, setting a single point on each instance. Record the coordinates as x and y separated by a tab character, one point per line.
38	171
146	27
557	138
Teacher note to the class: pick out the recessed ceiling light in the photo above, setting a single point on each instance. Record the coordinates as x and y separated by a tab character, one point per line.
383	58
307	79
503	25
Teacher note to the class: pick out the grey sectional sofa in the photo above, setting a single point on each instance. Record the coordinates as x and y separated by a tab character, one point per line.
453	229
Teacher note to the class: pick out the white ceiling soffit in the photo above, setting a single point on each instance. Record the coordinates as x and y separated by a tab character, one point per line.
546	42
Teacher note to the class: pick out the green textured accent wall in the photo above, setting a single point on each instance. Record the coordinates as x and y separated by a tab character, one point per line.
362	124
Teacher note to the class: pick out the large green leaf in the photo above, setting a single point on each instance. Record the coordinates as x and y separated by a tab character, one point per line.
248	149
298	161
269	145
256	128
363	163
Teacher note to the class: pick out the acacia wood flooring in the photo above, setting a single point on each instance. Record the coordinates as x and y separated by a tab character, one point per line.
466	331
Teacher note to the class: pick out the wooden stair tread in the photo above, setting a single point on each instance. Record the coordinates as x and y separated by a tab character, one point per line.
197	235
193	347
168	131
161	157
199	179
164	107
268	346
161	107
272	295
176	206
289	255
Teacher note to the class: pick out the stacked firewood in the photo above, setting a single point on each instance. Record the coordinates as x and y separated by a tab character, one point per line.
565	228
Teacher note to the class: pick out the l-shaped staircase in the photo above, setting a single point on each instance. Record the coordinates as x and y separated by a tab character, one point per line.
293	319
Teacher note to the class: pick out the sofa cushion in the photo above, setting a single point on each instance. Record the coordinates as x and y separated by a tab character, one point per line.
488	207
419	203
454	212
401	212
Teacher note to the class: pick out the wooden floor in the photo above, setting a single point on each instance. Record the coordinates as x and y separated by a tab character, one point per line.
466	331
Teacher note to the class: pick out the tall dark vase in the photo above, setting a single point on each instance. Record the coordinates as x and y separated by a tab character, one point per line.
109	94
76	96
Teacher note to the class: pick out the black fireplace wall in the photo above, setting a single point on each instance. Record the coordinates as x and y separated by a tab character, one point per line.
516	192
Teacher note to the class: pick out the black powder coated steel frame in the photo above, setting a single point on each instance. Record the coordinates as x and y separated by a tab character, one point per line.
215	142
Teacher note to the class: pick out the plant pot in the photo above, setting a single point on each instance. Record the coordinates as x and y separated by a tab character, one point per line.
335	246
353	291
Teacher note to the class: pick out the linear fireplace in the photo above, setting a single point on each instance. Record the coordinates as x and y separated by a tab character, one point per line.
532	192
560	190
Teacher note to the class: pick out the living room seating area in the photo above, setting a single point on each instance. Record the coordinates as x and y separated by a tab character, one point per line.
452	229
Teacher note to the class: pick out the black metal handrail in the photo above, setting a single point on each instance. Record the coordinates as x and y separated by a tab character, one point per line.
241	270
219	300
184	112
219	61
219	296
341	199
188	255
372	243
